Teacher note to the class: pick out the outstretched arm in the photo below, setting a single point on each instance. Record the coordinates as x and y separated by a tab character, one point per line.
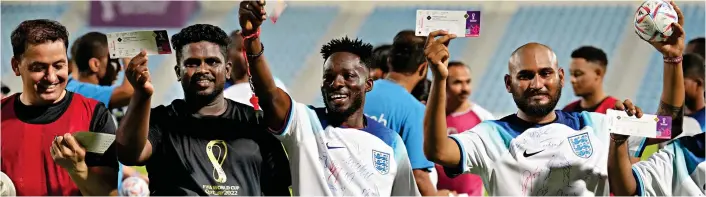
438	147
275	103
132	144
622	179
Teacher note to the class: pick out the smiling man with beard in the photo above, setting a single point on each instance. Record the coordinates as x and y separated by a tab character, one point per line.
538	150
204	144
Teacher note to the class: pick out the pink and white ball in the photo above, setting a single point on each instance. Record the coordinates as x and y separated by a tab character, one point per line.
134	186
653	20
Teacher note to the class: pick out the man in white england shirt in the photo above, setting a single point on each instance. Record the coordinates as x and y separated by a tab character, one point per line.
333	151
538	150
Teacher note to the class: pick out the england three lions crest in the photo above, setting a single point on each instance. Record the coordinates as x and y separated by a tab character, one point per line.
381	162
581	145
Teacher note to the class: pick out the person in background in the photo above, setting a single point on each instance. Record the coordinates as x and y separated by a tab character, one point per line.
240	90
697	46
421	91
461	116
38	150
4	90
587	70
203	144
392	104
693	67
380	65
73	69
97	72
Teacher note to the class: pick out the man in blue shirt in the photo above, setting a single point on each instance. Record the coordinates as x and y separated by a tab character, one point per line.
391	103
97	73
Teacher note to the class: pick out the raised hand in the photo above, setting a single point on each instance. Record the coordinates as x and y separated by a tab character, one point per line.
437	52
251	15
674	45
138	74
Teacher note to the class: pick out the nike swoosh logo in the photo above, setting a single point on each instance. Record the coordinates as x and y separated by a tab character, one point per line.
333	147
530	154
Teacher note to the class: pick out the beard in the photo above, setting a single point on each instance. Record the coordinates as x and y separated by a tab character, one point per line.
522	100
356	104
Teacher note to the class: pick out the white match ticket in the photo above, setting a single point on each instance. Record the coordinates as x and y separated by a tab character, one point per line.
650	126
461	23
95	142
129	44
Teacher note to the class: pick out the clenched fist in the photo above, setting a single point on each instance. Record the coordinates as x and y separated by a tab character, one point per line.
251	15
138	74
437	52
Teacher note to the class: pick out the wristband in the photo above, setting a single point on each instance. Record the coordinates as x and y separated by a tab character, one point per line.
673	60
617	141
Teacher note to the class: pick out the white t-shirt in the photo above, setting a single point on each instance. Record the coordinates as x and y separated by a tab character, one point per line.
517	158
675	170
241	92
334	161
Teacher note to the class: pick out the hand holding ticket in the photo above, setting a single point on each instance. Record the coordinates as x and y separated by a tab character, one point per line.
460	23
129	44
650	126
94	142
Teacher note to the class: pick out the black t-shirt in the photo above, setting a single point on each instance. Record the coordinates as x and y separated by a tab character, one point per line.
230	154
101	122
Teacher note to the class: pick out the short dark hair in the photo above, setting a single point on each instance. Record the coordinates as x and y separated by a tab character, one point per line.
200	32
421	90
380	55
693	66
700	46
456	63
363	50
407	52
74	48
90	45
591	54
37	31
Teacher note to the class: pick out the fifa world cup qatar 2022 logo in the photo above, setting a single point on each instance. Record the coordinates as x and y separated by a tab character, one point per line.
217	151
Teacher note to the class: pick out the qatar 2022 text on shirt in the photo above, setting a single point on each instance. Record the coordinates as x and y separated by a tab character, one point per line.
566	157
335	161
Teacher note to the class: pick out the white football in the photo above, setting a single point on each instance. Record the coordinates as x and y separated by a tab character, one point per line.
653	20
134	186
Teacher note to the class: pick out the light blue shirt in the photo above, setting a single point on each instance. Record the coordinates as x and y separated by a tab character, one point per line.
98	92
391	105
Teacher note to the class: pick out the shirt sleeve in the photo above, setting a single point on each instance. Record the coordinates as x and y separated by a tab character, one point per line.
102	122
100	93
413	136
654	176
636	145
404	184
280	85
476	148
300	119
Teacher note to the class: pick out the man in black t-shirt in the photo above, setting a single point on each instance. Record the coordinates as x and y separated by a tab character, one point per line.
204	144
